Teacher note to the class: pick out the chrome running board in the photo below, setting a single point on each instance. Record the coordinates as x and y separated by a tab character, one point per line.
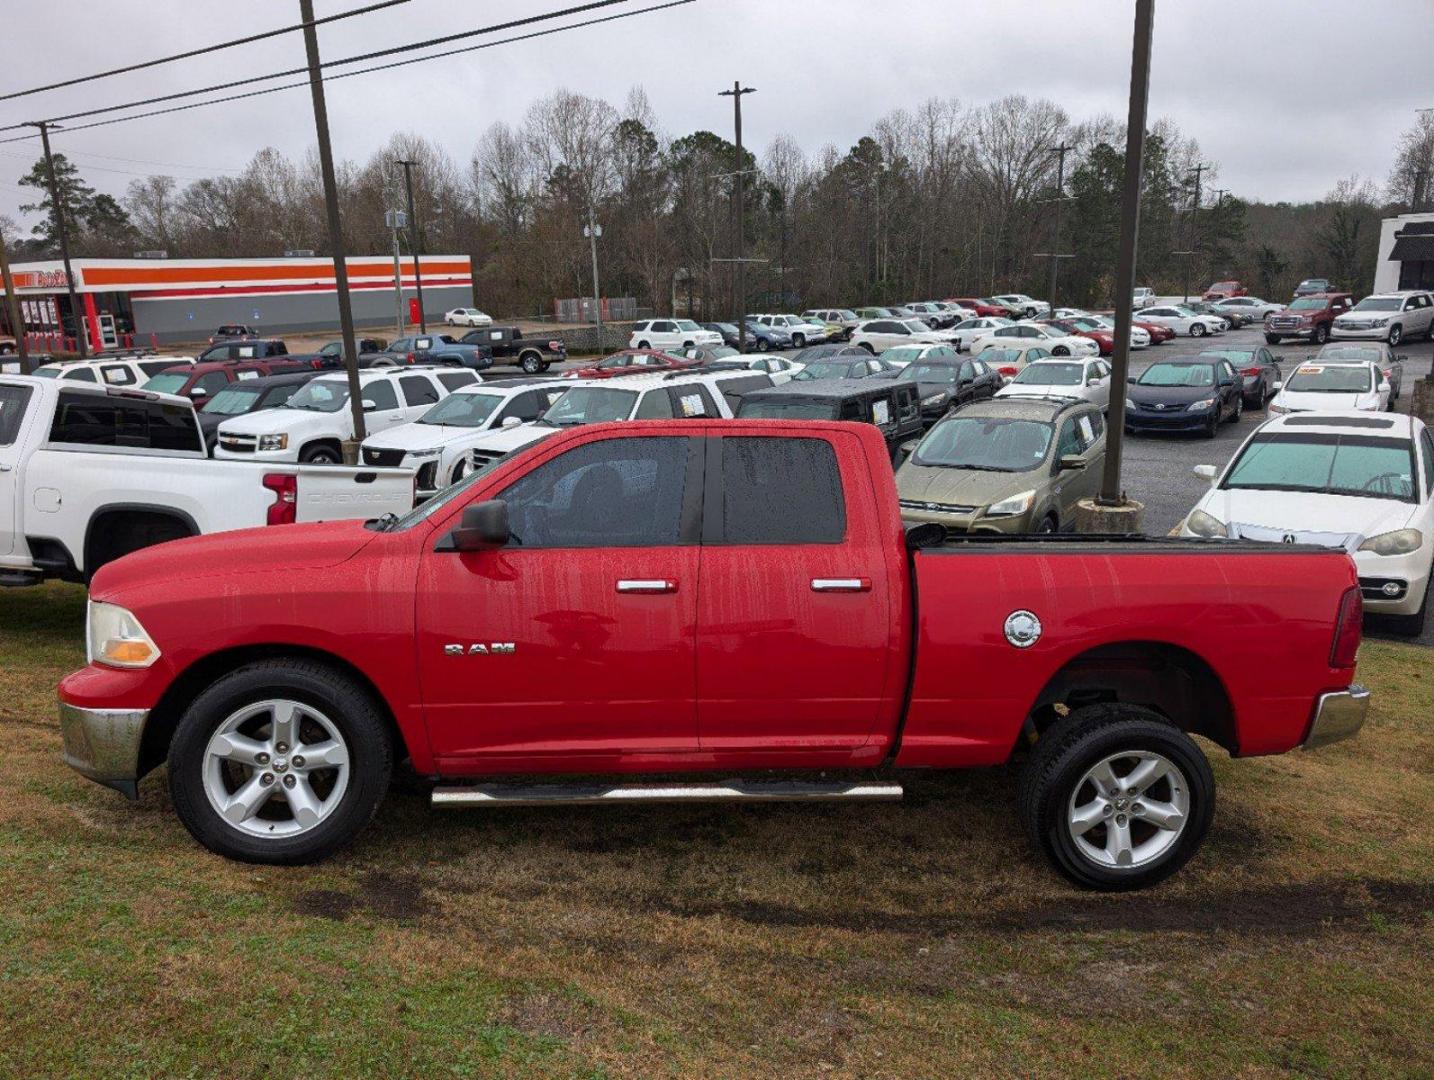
602	794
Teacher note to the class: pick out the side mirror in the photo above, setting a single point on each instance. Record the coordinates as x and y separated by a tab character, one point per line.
1279	384
1227	381
482	526
1130	379
1401	358
1094	380
1071	461
1205	472
511	421
198	392
909	447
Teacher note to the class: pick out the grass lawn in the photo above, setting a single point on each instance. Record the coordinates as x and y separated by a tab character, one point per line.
912	939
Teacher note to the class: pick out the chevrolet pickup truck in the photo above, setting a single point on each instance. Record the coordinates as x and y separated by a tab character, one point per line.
90	473
694	598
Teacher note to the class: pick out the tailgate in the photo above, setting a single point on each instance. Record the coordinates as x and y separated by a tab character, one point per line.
337	493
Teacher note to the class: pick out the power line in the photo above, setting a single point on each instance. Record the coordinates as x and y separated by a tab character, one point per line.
200	52
495	28
385	67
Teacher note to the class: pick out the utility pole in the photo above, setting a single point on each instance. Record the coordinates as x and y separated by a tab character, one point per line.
1060	152
395	220
58	206
336	228
413	243
1112	509
592	230
736	95
12	307
1199	170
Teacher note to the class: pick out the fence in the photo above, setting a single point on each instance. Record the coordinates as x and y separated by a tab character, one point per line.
580	309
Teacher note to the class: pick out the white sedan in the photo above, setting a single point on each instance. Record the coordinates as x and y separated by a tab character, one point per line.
1182	320
467	316
1139	336
1360	484
968	331
1252	306
1085	380
1059	342
1323	386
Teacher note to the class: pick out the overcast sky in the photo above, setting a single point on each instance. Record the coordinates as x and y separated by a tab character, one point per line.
1288	96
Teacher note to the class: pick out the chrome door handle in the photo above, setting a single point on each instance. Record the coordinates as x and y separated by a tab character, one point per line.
647	585
841	584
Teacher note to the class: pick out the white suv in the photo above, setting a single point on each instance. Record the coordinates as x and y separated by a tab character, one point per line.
133	372
1390	317
1024	304
314	424
804	331
663	334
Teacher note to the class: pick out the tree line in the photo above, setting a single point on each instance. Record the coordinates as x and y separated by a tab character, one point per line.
941	200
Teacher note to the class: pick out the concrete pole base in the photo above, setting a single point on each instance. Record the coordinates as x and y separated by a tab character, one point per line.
1422	402
350	448
1124	520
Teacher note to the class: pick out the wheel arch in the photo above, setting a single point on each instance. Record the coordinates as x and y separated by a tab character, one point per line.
127	514
165	716
336	445
1171	679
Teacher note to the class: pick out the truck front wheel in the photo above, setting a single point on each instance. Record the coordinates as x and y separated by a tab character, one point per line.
1117	797
280	761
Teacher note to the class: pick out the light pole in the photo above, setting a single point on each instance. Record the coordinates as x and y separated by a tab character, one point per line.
413	243
395	220
736	95
1060	152
336	229
592	230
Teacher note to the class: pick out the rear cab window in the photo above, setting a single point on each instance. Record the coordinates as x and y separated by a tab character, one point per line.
131	423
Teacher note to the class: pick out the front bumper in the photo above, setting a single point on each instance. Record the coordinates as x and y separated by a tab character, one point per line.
1304	333
1338	715
1183	420
1345	333
104	744
961	523
1409	574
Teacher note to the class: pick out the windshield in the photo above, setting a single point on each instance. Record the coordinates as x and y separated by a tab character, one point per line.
590	405
822	371
1309	303
1375	303
916	326
991	354
165	383
321	395
1235	356
1363	465
785	410
463	410
847	314
687	324
903	354
232	400
928	373
1350	352
1178	375
1047	373
48	372
988	443
1341	379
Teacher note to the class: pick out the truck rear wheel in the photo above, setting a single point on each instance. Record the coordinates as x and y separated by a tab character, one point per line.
1117	797
281	761
532	363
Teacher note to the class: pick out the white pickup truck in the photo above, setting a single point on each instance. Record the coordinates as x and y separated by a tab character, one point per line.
90	473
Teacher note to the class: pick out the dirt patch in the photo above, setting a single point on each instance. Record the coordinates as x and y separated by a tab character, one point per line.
1299	910
549	1014
383	896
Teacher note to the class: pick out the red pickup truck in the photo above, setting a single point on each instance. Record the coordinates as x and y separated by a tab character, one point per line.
690	598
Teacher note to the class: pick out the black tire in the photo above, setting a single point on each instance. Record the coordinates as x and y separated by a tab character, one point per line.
352	710
1048	525
1396	335
1198	329
1238	410
1075	743
1060	350
1321	333
868	347
6	348
762	344
799	341
1412	625
1213	427
687	345
1272	339
644	344
460	470
532	363
321	454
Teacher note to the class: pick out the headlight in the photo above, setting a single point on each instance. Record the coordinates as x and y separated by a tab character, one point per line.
1208	403
1016	504
424	453
934	399
1398	542
114	637
1129	404
273	442
1206	525
1380	322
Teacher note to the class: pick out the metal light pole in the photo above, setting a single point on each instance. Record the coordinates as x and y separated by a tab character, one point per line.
413	243
592	230
1060	152
336	228
57	204
736	95
395	220
12	306
1111	495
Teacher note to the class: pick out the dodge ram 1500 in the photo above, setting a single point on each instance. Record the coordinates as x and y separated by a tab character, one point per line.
701	597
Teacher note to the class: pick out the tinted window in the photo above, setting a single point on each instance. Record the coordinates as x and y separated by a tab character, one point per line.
655	405
781	491
80	374
417	390
733	389
452	380
1424	437
211	383
382	395
91	420
610	493
13	400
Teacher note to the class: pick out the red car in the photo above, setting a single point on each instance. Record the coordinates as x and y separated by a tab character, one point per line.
632	362
1087	328
982	308
545	620
1159	335
1222	290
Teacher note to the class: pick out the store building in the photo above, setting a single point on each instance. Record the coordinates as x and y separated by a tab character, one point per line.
166	301
1406	253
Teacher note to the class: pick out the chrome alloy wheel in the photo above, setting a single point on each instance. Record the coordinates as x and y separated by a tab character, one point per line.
1128	809
276	768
